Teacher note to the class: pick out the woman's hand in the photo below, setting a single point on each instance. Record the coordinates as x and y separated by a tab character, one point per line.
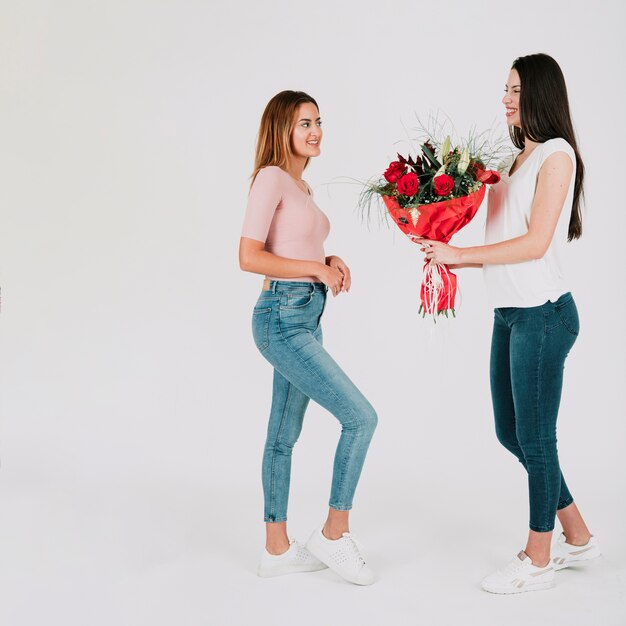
335	275
339	264
440	252
331	277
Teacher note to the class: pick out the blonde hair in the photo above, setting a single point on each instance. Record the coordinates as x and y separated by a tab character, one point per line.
273	146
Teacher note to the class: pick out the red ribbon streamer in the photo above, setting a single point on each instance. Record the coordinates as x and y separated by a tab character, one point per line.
437	221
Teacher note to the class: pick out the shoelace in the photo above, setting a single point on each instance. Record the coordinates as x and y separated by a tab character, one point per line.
356	546
514	566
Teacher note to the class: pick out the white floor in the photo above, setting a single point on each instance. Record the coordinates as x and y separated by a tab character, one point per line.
145	551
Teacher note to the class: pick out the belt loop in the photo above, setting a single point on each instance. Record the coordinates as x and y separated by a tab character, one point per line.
273	286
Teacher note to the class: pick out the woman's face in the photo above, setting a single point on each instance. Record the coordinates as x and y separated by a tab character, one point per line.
306	135
511	100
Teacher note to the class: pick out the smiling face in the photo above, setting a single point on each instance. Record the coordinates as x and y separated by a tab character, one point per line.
511	99
306	135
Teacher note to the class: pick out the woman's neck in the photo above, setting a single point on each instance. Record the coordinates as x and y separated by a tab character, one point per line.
529	145
295	167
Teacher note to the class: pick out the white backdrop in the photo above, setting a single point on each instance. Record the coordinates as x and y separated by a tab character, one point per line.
134	403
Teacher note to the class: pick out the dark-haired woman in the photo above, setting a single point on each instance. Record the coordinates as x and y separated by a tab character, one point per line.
283	238
533	212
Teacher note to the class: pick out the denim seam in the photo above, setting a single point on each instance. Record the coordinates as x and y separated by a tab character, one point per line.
538	414
343	469
266	334
340	507
280	429
565	503
330	390
541	529
319	319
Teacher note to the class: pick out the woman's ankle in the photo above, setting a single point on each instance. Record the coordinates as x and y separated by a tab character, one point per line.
276	548
336	524
276	538
333	531
578	539
539	558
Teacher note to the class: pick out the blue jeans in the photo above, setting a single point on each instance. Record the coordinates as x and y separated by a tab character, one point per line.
286	329
528	351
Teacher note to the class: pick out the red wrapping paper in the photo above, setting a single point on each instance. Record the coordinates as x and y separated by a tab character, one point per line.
437	221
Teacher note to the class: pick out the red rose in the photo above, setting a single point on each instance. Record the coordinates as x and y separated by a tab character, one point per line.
408	184
444	184
395	171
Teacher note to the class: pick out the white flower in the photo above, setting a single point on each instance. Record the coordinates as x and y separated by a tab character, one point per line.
464	162
445	149
440	171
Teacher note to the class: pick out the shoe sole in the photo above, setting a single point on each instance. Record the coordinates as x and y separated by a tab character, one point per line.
524	589
282	571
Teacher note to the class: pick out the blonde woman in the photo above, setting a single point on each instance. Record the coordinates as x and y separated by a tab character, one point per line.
283	239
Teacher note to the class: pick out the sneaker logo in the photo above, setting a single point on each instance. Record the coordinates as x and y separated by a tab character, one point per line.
558	560
518	583
577	552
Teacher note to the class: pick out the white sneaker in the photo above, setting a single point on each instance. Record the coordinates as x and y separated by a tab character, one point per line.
342	556
296	559
565	554
518	576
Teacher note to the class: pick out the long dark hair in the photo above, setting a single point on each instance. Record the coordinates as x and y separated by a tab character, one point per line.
545	114
273	145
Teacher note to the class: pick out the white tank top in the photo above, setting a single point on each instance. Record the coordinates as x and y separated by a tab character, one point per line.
531	283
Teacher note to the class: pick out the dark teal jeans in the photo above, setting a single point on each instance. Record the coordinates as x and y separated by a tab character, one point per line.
528	351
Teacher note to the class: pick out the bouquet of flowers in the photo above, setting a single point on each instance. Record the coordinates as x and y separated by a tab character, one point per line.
432	196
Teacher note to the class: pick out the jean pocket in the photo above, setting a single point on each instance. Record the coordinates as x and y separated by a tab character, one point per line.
296	300
261	327
568	314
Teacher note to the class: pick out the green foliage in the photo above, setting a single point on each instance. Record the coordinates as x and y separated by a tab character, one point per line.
483	150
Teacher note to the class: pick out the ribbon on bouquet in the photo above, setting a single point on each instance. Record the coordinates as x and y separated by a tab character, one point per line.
437	221
439	288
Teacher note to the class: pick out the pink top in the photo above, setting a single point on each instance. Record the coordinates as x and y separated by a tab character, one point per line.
285	218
